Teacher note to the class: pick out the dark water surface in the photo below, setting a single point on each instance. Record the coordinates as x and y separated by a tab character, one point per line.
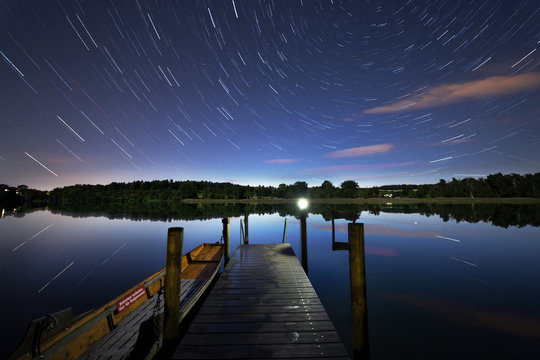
436	289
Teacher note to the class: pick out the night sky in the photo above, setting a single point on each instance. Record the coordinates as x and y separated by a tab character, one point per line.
267	92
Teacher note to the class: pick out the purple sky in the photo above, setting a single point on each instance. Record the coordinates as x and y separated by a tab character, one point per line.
260	92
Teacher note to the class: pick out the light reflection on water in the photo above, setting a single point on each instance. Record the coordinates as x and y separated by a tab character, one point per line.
435	289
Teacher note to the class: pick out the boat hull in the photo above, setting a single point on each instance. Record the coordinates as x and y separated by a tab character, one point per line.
63	336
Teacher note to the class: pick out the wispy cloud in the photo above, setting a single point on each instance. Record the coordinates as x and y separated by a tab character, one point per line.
280	161
335	169
359	151
354	167
452	93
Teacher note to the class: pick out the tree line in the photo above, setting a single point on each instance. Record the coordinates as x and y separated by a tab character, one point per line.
138	192
492	186
496	185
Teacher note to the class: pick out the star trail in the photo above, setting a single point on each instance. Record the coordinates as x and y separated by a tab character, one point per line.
267	92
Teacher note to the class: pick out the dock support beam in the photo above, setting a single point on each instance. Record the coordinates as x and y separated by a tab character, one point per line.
303	240
246	235
175	239
226	239
358	291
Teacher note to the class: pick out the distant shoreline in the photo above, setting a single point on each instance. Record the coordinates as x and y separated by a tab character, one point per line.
460	200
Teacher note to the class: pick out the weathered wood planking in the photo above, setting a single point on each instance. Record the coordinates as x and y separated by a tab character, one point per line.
262	307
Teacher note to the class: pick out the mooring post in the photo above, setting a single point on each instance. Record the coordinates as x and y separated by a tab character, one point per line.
242	236
333	231
175	238
285	232
303	240
358	291
246	234
226	239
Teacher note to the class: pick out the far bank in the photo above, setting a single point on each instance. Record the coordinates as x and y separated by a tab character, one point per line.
438	200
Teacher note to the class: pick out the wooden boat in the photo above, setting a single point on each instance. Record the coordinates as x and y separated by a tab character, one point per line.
128	326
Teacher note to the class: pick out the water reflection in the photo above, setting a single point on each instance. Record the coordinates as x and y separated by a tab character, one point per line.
499	214
350	215
436	287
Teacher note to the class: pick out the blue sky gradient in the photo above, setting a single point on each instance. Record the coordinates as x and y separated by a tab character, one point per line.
260	92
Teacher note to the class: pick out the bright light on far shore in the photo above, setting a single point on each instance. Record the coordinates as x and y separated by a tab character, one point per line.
302	204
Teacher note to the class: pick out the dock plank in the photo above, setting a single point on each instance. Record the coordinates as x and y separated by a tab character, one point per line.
262	307
287	317
261	302
271	351
281	326
239	310
261	338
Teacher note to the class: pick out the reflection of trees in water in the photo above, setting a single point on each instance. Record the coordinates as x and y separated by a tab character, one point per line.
165	211
503	215
20	211
500	214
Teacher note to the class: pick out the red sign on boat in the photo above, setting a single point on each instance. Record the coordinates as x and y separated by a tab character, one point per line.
130	299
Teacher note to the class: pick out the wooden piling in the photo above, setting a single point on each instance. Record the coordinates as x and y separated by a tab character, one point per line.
246	233
333	231
285	233
303	241
175	238
358	291
226	239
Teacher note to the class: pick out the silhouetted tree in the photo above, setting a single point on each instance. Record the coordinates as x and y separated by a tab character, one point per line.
349	189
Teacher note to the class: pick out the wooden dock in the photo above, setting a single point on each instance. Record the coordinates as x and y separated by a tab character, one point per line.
263	306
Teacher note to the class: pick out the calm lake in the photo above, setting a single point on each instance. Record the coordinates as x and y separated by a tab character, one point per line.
437	288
